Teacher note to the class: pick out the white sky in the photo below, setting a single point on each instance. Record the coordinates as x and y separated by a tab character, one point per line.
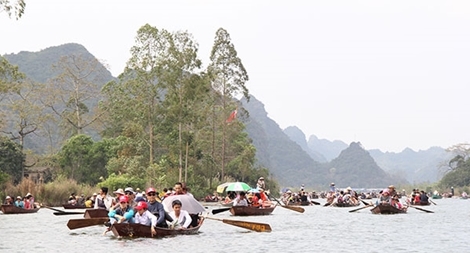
390	74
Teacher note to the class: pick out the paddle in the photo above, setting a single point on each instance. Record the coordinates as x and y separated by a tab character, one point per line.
363	202
67	213
432	202
81	223
421	209
216	211
352	211
255	226
293	208
314	202
57	210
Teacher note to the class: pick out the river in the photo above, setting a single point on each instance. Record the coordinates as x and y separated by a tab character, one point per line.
318	229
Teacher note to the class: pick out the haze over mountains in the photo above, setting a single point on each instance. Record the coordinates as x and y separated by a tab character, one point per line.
288	154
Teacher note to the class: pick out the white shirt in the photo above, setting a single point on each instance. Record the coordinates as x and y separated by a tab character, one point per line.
147	218
240	202
108	201
184	220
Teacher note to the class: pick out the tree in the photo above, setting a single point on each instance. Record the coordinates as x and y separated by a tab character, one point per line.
11	159
16	8
228	76
74	91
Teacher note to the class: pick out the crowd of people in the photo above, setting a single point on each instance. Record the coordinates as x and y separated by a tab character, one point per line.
26	202
129	206
257	197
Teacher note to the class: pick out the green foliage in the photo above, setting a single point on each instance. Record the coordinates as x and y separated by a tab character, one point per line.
84	160
114	182
458	177
11	159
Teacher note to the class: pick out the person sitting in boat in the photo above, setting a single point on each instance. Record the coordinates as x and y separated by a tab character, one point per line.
256	200
144	217
266	202
395	202
104	201
156	208
130	193
181	217
332	187
392	191
423	198
123	213
384	198
178	189
9	201
89	202
19	202
240	200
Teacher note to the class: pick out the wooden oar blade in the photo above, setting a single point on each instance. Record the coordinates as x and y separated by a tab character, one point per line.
81	223
421	209
295	208
216	211
255	226
314	202
352	211
54	209
67	213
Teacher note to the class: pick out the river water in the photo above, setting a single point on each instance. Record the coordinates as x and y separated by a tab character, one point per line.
318	229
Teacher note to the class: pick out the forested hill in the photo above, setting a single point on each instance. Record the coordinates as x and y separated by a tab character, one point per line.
39	65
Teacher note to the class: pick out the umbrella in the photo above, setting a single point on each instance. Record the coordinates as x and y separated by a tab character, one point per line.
221	188
238	187
188	203
253	190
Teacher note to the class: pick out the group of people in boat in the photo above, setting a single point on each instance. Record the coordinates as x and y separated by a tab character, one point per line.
258	198
418	197
390	196
129	206
346	197
26	202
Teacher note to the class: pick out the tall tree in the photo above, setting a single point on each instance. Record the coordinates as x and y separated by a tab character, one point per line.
16	7
11	159
228	77
74	91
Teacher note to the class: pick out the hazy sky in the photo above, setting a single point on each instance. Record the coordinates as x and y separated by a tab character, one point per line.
390	74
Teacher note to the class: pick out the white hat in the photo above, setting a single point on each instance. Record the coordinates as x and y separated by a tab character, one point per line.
19	197
95	194
349	188
129	189
29	194
8	197
119	191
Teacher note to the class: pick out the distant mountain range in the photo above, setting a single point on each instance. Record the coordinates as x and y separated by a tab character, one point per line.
291	159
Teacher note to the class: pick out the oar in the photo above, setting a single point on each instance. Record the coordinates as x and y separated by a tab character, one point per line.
421	209
352	211
81	223
293	208
432	202
363	202
57	210
67	213
314	202
216	211
255	226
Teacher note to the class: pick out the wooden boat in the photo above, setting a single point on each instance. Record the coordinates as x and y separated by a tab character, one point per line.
336	204
12	209
71	206
248	210
139	230
95	213
226	203
436	197
386	209
421	204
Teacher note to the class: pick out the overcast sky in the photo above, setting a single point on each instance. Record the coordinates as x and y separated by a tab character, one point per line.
390	74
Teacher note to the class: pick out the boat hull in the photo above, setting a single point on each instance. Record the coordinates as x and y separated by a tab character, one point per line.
95	213
11	209
249	211
386	209
70	206
139	230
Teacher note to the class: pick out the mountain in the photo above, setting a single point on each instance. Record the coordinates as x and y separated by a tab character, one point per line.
292	166
417	167
356	168
328	149
295	134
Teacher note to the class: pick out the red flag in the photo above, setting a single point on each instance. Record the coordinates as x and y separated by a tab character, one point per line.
232	116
